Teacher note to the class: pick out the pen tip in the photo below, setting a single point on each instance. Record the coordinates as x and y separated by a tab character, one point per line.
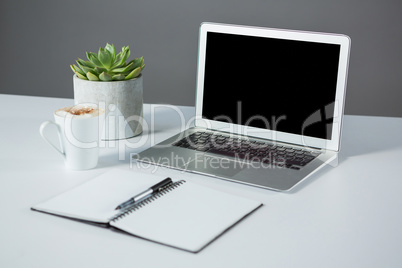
117	208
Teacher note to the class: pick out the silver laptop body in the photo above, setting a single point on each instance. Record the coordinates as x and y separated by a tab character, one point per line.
260	89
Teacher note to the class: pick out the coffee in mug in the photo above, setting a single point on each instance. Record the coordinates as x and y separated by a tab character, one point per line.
80	111
79	128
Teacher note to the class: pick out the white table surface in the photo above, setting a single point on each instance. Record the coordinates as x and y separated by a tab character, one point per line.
347	216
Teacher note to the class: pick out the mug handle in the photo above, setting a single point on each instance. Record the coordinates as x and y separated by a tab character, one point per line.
42	128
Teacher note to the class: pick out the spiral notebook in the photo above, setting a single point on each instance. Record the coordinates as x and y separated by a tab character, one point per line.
183	215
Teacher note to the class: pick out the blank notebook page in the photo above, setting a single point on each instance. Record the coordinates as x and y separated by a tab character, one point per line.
188	217
97	199
185	215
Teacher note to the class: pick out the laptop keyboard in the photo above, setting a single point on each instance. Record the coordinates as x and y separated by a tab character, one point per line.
249	150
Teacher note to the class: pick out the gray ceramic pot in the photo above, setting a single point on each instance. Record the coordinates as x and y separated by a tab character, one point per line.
122	101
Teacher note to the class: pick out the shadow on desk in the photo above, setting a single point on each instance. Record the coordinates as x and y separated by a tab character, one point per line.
365	135
362	135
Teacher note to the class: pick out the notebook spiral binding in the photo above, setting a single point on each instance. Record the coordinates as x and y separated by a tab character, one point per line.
147	201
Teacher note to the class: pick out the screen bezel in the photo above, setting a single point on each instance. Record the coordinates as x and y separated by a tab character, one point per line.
332	144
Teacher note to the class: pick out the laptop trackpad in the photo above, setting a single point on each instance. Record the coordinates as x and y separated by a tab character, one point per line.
215	166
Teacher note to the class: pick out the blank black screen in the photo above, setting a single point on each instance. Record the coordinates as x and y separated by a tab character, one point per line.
284	81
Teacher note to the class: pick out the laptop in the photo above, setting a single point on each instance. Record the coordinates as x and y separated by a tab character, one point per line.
269	106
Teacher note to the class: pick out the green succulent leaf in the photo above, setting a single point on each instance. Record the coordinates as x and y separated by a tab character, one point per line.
72	68
80	75
117	59
137	62
121	63
76	69
100	70
92	57
105	58
118	77
86	69
92	77
125	69
85	63
128	52
112	50
105	77
78	72
107	66
136	72
116	63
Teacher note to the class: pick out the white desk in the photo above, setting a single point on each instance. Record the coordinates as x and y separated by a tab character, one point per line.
348	216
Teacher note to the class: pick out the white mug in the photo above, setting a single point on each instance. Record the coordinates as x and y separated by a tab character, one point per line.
79	135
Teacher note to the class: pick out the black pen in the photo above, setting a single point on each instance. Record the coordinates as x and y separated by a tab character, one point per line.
153	189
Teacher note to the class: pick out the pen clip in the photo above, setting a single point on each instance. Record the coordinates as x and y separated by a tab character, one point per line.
150	192
161	185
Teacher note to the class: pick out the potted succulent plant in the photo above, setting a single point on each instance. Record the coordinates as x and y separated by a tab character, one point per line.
107	79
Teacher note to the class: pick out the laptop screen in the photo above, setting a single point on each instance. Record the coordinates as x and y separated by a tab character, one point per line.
271	83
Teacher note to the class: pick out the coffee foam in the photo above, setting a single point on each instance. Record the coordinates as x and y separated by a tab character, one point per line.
80	111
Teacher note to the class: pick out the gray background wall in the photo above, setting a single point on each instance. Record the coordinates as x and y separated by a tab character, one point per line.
40	39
